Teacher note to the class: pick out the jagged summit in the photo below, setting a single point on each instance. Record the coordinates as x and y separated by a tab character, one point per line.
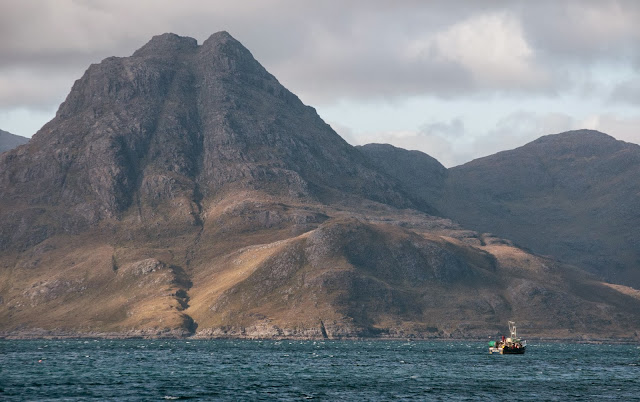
166	43
178	121
220	37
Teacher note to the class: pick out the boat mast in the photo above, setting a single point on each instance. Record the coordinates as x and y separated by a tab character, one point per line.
512	330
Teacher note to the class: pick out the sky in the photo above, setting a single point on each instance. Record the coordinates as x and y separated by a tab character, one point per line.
457	80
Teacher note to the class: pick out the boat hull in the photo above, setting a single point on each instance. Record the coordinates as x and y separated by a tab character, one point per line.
507	351
513	351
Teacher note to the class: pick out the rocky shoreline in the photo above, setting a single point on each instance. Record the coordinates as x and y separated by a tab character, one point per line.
214	334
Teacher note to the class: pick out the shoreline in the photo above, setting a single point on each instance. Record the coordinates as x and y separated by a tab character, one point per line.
63	335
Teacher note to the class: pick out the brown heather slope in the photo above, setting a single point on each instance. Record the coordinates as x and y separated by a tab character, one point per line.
183	191
312	272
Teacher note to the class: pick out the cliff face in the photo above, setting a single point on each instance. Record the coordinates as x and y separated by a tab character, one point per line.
184	191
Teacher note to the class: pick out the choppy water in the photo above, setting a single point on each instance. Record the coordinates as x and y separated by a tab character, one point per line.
330	370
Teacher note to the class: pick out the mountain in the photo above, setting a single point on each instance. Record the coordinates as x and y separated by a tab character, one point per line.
176	122
572	196
9	141
182	191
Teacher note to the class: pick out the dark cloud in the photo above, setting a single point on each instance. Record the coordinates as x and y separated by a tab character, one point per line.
333	50
358	49
583	31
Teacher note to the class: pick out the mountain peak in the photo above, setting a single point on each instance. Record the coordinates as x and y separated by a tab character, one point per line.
220	36
577	143
167	43
577	135
225	54
178	121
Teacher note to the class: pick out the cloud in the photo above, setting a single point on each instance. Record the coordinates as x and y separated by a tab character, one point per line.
627	92
323	51
451	143
34	89
583	31
451	129
362	51
490	47
334	49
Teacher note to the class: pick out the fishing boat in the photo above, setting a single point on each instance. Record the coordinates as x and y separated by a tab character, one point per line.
509	346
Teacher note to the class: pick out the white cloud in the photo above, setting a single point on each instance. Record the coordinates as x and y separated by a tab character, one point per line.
490	46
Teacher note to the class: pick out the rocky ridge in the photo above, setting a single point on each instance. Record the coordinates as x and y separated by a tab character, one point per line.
572	196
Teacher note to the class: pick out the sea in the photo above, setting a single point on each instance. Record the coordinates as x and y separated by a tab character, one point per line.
239	370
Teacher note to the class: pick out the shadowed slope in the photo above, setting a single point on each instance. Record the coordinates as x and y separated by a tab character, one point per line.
572	195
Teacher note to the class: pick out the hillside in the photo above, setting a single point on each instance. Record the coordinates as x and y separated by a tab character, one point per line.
571	195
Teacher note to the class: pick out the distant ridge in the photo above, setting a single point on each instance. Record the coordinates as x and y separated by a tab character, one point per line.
9	141
572	195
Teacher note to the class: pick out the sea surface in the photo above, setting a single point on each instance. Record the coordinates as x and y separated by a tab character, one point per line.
69	370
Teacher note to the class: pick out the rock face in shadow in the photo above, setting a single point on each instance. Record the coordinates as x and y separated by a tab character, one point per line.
572	195
182	191
9	141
